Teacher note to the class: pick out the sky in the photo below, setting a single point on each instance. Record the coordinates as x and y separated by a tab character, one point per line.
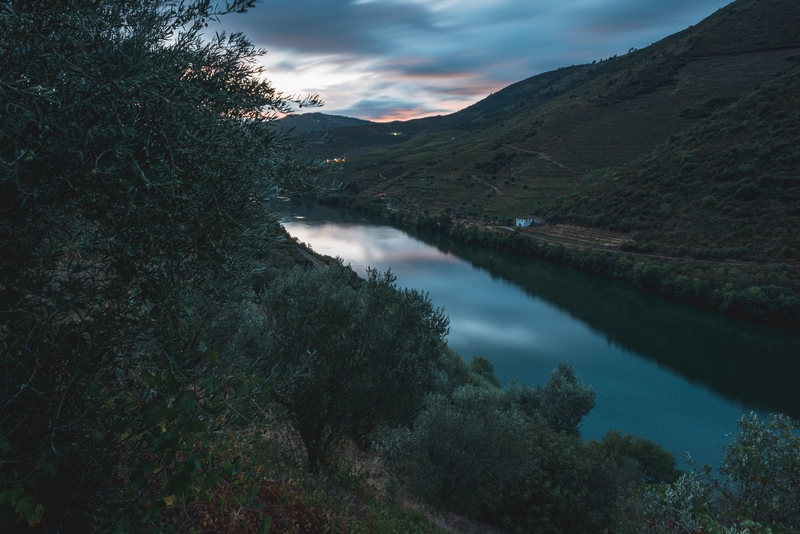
386	60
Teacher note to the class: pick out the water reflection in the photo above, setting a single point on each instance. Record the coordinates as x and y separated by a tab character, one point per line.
663	370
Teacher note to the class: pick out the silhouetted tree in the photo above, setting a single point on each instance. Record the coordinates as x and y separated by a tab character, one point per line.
135	159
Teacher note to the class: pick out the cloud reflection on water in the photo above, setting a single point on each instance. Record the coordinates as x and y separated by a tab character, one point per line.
357	245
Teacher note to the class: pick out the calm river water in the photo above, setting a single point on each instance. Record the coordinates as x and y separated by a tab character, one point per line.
663	370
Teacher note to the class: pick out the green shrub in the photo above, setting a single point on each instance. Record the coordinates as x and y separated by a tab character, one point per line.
655	465
562	403
757	488
493	455
761	472
465	452
484	369
569	487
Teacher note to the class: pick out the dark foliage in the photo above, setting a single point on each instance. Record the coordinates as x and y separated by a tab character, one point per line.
484	368
498	456
358	357
134	161
756	489
654	464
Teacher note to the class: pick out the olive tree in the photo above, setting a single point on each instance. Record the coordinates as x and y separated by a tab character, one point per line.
135	159
464	452
483	367
651	463
760	472
359	356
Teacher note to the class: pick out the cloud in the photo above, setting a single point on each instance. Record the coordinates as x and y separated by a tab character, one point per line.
381	59
631	15
427	68
389	109
332	26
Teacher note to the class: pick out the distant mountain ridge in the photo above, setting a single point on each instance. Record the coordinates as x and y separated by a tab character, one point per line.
316	122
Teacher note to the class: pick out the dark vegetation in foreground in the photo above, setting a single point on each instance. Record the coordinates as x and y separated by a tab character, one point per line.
169	362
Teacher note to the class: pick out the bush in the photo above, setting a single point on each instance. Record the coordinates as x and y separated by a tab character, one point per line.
492	455
464	453
566	400
676	508
761	472
484	369
569	487
562	403
757	488
654	464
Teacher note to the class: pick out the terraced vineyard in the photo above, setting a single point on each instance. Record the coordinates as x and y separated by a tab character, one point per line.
578	235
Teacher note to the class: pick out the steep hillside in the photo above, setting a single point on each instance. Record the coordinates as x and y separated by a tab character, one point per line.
528	146
748	26
727	187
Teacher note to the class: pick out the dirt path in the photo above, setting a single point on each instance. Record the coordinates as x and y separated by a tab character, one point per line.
544	157
318	265
499	193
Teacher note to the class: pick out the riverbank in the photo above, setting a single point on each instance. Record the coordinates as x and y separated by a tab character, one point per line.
766	293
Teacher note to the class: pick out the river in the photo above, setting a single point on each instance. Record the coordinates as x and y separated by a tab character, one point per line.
667	371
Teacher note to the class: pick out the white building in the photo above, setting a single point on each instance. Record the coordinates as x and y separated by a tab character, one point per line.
528	220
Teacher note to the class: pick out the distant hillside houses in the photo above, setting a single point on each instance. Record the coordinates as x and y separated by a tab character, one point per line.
528	220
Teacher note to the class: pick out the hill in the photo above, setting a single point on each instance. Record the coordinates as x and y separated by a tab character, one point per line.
316	122
521	148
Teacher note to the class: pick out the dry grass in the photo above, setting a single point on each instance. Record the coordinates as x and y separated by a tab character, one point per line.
592	237
368	464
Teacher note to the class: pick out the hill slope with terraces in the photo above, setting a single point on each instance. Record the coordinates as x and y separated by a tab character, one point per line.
726	188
